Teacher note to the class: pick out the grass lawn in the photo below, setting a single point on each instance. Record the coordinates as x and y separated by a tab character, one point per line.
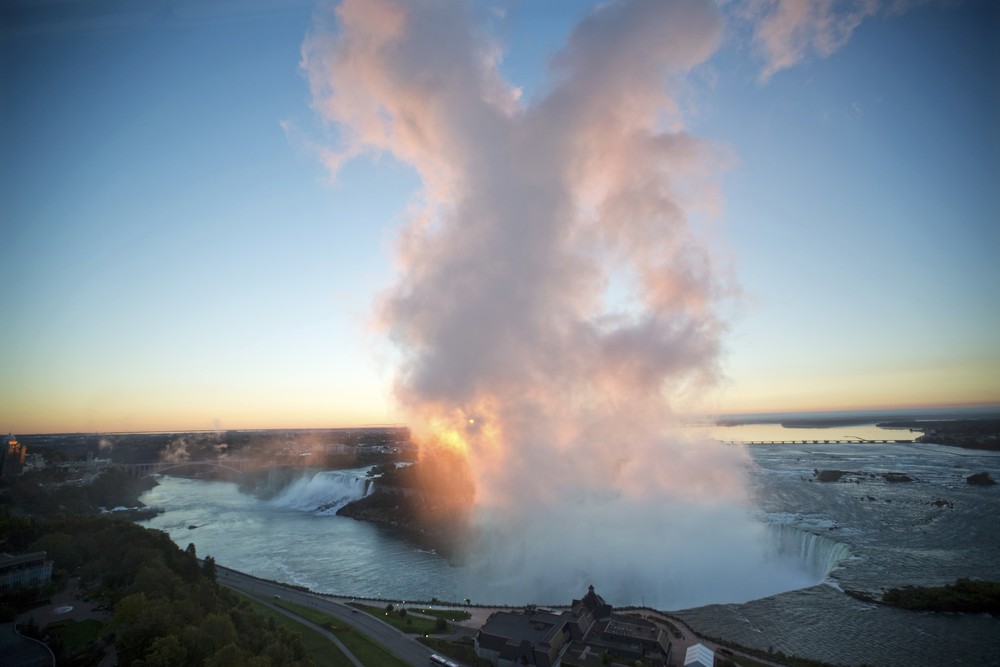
446	614
76	634
320	650
408	623
317	617
367	651
357	642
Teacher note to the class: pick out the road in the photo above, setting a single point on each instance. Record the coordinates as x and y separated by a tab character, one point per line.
404	646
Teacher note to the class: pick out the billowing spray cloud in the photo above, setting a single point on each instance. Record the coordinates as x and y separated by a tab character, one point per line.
553	303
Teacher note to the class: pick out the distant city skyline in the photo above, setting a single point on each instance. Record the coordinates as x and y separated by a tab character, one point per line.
177	255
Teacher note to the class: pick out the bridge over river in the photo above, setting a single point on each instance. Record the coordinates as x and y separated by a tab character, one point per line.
847	440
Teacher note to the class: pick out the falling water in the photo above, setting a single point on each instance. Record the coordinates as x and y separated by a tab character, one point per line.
326	491
820	555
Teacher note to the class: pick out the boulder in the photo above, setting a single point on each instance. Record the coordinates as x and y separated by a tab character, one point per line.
980	479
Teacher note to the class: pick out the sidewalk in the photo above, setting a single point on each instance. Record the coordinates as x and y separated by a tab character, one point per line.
68	605
690	637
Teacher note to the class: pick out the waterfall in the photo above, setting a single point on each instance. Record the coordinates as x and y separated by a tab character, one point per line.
326	491
820	555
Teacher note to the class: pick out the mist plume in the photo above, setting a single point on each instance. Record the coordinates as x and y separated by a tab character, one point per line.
554	304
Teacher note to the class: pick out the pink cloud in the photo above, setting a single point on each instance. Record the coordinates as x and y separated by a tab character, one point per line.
787	32
510	351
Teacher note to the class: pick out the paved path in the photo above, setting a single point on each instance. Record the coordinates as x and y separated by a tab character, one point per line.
402	645
318	628
690	638
409	649
16	649
67	605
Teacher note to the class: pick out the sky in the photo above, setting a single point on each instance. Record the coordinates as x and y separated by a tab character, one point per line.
191	241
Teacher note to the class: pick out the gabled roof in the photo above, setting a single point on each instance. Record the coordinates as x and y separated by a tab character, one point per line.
699	655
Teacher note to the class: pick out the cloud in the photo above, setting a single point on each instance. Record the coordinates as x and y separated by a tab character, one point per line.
787	32
561	400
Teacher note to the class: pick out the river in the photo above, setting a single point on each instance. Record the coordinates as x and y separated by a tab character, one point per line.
862	532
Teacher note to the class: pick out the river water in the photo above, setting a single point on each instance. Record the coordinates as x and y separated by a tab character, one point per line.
861	532
286	540
929	531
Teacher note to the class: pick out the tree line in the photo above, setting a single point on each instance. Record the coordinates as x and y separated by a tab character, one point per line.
165	607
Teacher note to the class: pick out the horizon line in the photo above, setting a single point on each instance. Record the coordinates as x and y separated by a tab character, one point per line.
984	407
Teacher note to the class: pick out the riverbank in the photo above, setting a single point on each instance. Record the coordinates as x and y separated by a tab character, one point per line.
680	633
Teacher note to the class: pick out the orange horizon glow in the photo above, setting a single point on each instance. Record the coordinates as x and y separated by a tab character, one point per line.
180	423
766	408
443	433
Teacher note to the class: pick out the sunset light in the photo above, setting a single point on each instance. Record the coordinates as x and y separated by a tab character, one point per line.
176	292
547	332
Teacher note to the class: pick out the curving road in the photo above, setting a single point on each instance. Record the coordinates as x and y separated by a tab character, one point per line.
404	646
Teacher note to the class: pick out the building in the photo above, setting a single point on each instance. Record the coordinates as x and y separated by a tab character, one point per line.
580	637
34	462
24	571
630	638
532	637
699	655
12	457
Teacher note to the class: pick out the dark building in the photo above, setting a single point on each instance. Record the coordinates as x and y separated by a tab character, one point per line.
24	571
580	637
12	457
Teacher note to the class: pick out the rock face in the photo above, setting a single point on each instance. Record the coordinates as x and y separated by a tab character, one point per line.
896	477
414	515
829	475
980	479
430	501
387	508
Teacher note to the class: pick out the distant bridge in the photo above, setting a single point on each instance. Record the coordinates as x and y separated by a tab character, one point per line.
147	469
848	441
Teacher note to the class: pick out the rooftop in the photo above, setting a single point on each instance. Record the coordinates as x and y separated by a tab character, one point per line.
7	560
536	628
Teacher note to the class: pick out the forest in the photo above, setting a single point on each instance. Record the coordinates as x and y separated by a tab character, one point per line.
162	603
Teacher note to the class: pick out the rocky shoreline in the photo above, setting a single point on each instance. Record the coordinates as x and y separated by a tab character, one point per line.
965	433
414	515
857	477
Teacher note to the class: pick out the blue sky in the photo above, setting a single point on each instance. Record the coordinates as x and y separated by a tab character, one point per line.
177	257
863	212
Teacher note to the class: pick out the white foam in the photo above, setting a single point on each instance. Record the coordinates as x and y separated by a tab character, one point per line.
325	491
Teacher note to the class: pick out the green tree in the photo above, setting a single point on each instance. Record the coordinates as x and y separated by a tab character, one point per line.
156	580
228	656
60	547
165	612
208	568
220	628
165	652
16	533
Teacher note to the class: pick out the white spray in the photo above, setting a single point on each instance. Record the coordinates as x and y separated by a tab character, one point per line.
519	351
